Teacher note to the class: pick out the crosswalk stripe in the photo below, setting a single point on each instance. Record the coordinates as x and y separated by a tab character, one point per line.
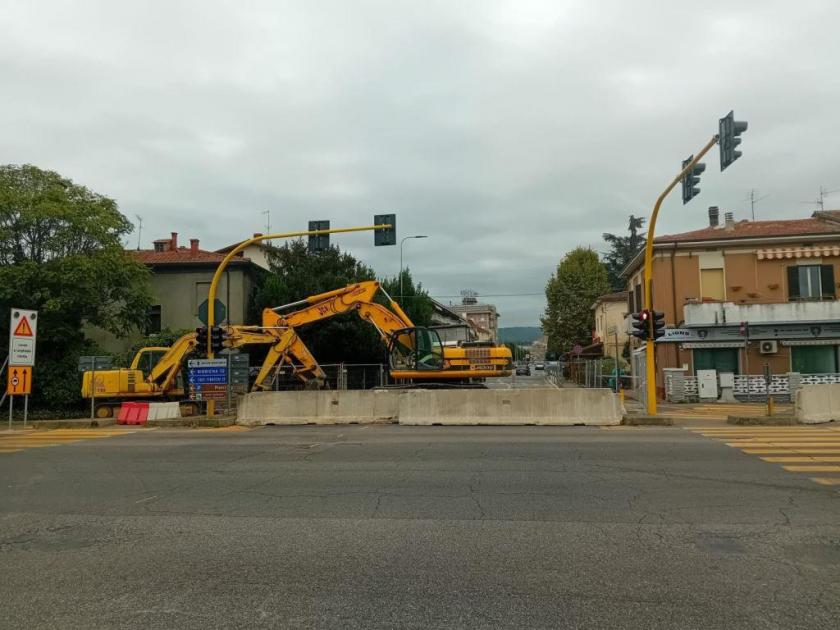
812	468
9	450
801	459
827	481
18	440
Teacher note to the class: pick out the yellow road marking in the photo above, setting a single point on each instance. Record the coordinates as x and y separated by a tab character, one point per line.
812	468
791	451
802	459
9	450
780	443
827	481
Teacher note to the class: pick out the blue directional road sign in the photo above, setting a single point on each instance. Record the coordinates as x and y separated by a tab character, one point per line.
207	379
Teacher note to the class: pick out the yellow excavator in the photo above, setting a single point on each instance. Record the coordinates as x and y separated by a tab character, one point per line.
155	372
416	354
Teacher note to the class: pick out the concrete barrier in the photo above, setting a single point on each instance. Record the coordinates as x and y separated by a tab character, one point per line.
319	407
817	403
567	406
161	411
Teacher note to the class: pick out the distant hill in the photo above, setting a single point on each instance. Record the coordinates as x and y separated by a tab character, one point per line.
519	334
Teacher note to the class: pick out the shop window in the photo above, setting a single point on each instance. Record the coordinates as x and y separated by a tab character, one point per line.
711	285
810	282
720	359
814	359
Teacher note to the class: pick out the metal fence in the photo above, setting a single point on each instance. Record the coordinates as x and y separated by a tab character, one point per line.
338	376
597	373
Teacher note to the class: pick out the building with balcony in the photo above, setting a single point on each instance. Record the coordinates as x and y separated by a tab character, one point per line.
483	318
739	295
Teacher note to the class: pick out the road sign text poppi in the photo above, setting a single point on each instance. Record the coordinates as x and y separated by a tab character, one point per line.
208	379
23	329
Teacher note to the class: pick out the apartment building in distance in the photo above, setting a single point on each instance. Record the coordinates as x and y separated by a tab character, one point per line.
743	296
483	318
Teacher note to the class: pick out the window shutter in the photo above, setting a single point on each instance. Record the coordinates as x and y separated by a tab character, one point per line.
827	281
793	282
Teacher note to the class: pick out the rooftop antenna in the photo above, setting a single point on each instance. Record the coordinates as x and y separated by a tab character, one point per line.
139	229
823	194
754	199
267	214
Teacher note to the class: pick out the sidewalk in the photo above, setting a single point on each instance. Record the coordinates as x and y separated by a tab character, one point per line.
693	413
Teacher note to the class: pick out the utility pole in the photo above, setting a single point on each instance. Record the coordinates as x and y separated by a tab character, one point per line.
139	229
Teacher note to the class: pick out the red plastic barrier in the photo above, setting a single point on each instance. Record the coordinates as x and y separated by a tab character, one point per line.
133	413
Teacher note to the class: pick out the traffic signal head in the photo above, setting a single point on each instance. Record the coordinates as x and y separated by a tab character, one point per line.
201	338
691	179
385	236
728	139
658	324
217	338
318	242
641	325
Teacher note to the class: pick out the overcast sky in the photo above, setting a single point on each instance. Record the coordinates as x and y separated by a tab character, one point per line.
509	132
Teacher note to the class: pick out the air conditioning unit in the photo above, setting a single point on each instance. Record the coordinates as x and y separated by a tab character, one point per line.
768	347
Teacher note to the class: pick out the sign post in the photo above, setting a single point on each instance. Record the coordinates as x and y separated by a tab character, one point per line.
92	364
23	330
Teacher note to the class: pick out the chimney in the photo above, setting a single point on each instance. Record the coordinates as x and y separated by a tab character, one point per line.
173	241
194	245
729	221
714	216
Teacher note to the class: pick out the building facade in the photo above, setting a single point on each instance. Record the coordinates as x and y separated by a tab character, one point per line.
610	312
483	318
745	296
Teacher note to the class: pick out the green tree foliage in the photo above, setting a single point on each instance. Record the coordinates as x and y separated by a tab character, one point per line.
415	300
60	253
622	250
579	279
296	273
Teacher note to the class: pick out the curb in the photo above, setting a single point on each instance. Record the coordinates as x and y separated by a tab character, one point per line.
762	420
75	423
193	421
647	421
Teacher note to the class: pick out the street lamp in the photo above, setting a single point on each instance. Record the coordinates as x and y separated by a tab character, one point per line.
401	259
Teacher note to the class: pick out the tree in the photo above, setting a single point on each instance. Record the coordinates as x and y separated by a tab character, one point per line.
296	273
415	300
622	250
579	279
61	254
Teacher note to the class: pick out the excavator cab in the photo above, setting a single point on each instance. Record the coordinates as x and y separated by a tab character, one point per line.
415	349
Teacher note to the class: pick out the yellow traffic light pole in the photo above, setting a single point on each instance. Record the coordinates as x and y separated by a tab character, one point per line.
650	367
211	294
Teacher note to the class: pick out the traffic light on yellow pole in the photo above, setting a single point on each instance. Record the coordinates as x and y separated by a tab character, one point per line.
387	229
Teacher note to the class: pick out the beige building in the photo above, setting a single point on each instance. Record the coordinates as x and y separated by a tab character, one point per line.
610	312
739	295
257	253
483	318
180	283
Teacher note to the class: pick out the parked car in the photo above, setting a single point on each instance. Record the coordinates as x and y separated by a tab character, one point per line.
540	366
523	370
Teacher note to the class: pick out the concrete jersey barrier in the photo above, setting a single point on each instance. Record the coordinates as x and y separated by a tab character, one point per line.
425	407
566	406
817	403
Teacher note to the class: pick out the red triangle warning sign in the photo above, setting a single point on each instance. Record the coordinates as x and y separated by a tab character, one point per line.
23	329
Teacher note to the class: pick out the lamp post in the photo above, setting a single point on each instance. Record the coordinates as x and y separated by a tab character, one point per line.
401	258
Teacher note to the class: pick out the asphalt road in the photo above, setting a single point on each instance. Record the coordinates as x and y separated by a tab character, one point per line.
409	527
537	380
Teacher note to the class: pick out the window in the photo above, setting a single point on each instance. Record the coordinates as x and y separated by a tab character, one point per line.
711	285
814	359
638	298
720	359
811	282
153	325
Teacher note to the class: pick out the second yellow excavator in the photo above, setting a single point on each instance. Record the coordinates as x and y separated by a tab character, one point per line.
415	354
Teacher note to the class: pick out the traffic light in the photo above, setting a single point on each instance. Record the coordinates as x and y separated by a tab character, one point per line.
217	338
201	338
641	325
658	324
728	139
691	179
385	236
318	242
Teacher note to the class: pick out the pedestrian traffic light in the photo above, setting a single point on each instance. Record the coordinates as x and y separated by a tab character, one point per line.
385	236
728	139
691	179
641	325
658	324
201	338
217	338
318	242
